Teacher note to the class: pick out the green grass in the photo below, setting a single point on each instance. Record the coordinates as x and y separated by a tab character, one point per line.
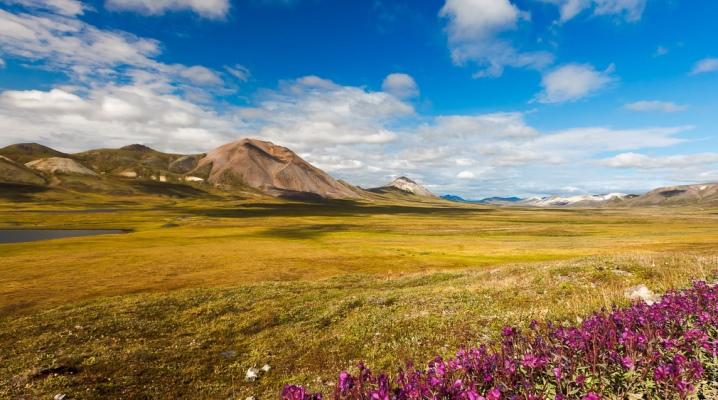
201	290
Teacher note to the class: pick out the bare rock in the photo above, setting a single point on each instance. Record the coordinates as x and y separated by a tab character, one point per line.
642	293
251	375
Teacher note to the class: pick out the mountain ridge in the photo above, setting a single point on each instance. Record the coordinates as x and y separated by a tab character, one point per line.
261	167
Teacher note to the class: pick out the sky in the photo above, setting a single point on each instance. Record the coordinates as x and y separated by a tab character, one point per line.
470	97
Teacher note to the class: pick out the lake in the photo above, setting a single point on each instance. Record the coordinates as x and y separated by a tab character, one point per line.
31	235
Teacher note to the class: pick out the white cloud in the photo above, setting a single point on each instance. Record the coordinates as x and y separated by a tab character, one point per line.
2	63
312	111
571	82
655	105
464	162
111	116
641	161
239	71
201	75
62	7
465	175
400	85
56	100
215	9
486	125
90	55
72	45
628	10
474	28
705	65
479	18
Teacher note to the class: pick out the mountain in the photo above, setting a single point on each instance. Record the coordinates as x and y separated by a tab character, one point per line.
269	168
404	185
501	200
580	200
14	173
679	195
23	153
138	161
487	200
458	199
58	165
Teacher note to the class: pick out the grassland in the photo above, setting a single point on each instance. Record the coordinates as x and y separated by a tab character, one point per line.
201	290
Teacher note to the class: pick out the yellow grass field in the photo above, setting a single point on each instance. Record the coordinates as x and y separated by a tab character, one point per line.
198	291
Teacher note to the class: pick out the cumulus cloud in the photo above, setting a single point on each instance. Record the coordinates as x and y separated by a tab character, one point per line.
705	65
215	9
628	10
571	82
400	85
111	116
655	105
62	7
642	161
474	29
312	111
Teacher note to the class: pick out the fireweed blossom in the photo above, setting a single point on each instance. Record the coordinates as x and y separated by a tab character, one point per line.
659	351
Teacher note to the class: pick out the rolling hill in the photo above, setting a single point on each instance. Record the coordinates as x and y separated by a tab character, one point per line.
23	153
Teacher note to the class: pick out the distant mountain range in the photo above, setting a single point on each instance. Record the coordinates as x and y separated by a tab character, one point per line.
697	194
488	200
586	199
256	167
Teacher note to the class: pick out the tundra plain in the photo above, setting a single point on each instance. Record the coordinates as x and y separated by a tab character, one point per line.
200	290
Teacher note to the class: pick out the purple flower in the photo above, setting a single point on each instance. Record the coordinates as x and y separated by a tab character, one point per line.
666	341
628	363
580	380
662	372
346	382
494	394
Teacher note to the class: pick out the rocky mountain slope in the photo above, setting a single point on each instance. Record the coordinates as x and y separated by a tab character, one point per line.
59	165
18	174
699	194
404	185
580	200
270	168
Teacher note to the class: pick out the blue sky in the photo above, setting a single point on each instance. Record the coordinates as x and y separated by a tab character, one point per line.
472	97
